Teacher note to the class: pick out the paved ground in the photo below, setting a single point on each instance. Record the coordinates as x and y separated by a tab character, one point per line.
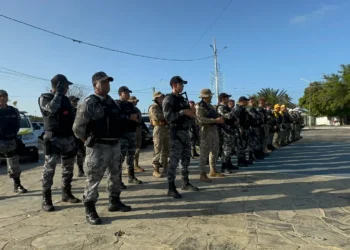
298	198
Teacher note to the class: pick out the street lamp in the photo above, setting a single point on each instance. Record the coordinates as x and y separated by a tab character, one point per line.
216	67
309	99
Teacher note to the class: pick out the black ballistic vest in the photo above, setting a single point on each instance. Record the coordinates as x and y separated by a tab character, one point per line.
110	125
8	123
61	122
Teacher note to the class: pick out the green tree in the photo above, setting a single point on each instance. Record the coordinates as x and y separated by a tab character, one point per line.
275	96
330	97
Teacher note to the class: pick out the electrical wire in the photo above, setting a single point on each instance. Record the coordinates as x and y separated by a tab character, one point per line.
211	25
102	47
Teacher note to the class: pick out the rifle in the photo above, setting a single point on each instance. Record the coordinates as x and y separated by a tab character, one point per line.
214	115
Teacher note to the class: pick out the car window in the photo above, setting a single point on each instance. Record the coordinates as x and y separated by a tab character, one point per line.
25	123
36	126
145	118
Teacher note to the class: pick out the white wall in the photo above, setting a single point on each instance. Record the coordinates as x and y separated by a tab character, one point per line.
322	121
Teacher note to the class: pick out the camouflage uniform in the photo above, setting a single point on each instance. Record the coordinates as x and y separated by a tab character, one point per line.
292	136
255	134
99	121
128	138
180	143
9	126
277	134
59	141
265	127
138	136
209	143
160	137
230	138
80	147
242	114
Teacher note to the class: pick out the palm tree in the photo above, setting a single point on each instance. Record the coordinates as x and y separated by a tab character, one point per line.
274	96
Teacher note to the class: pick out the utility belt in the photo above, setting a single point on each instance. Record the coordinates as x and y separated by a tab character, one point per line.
160	123
179	126
108	141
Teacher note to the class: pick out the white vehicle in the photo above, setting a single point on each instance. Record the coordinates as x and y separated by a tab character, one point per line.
38	129
29	139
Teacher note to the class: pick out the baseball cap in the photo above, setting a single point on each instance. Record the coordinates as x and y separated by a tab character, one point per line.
60	78
191	101
231	100
3	92
73	98
177	79
243	98
223	95
100	76
123	89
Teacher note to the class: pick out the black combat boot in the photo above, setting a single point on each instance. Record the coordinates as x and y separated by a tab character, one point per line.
242	162
17	187
132	178
47	201
122	185
186	185
223	167
81	171
115	204
67	195
172	192
231	166
91	214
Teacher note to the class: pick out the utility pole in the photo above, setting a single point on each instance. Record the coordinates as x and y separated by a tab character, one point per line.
216	71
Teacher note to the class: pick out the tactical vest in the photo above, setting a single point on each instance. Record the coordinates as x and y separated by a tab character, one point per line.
8	123
61	122
128	108
243	116
183	121
263	114
108	126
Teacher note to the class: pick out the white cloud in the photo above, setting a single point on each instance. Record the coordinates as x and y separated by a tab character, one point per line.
324	9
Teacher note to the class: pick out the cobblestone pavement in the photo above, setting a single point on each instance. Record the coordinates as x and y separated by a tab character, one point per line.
285	202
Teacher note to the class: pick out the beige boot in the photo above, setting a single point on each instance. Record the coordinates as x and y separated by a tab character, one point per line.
214	173
204	178
136	165
156	172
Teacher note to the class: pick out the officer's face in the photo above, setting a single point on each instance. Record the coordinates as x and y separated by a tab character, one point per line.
251	102
231	104
225	100
179	87
125	95
262	103
3	100
102	87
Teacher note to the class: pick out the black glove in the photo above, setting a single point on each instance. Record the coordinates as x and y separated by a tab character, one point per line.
60	87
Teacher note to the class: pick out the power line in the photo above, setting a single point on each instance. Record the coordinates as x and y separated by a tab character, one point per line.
31	77
102	47
211	25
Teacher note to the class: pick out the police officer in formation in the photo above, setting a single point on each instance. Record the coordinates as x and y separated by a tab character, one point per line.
10	120
78	143
160	136
139	127
99	124
58	116
177	113
209	143
230	144
128	138
108	128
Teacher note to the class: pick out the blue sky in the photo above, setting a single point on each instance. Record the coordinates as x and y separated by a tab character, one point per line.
271	43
